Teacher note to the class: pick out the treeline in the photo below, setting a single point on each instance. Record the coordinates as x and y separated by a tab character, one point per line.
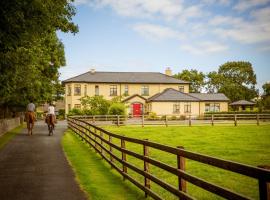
30	51
237	80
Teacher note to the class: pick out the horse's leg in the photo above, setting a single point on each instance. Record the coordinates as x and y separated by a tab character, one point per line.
32	126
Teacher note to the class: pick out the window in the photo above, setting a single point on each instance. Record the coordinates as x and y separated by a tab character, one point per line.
181	88
126	90
187	107
113	90
176	108
77	90
145	90
85	90
77	106
69	90
212	107
96	90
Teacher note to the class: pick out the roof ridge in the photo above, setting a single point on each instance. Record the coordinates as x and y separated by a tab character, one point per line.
175	78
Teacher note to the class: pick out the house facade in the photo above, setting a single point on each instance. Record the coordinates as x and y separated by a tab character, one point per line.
140	91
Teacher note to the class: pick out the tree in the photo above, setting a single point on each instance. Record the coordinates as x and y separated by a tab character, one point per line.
266	89
30	52
236	80
95	105
195	78
265	102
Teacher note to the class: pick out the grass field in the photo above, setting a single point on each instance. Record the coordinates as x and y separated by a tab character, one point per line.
94	175
4	139
246	144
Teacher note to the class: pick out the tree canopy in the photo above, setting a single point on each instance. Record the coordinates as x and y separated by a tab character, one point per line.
30	51
236	80
195	78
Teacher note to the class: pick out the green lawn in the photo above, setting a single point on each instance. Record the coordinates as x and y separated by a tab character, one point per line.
4	139
248	144
94	175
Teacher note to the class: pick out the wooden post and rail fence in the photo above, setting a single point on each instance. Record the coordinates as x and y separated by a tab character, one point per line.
188	120
95	137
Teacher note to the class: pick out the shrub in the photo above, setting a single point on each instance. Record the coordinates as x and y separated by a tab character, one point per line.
173	118
152	116
75	111
117	109
182	117
95	105
61	114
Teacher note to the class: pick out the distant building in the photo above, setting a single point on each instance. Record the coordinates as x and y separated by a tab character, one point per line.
143	92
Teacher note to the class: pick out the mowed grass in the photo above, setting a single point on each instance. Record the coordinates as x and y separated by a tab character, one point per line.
95	176
4	139
249	144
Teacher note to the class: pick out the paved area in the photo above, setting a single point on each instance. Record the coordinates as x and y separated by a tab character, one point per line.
35	168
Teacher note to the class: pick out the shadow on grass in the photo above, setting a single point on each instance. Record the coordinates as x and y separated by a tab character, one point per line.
94	175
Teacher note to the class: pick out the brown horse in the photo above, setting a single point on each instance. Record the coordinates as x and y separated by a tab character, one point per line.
30	120
50	120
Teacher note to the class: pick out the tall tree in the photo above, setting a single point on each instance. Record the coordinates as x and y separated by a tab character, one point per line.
30	52
195	78
265	102
236	80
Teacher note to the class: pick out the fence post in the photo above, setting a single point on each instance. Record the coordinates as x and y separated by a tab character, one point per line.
264	187
95	131
143	120
212	119
117	120
94	119
146	166
124	156
166	120
101	142
111	150
235	119
258	119
189	120
181	164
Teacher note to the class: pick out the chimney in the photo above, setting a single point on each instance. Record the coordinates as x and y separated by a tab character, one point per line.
92	71
168	71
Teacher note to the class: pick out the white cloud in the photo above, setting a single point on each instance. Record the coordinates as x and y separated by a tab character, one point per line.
157	32
244	5
225	20
255	30
205	48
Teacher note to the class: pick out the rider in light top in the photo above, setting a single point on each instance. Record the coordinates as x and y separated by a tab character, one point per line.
51	112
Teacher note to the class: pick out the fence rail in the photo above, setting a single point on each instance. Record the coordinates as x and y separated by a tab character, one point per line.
187	120
95	137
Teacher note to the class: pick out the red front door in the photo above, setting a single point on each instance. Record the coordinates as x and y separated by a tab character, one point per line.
137	111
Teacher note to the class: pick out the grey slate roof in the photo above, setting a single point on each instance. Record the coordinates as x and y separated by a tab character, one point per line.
242	103
175	95
124	77
210	97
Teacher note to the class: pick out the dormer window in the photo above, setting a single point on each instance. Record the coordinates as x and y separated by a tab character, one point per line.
181	88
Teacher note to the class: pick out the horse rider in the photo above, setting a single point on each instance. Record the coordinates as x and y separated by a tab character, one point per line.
51	114
30	116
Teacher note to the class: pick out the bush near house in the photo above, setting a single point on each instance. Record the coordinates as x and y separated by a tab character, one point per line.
97	105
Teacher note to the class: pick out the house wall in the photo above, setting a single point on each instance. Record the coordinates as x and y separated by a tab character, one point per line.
197	108
223	106
166	108
104	90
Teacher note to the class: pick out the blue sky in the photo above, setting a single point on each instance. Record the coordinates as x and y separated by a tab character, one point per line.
150	35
